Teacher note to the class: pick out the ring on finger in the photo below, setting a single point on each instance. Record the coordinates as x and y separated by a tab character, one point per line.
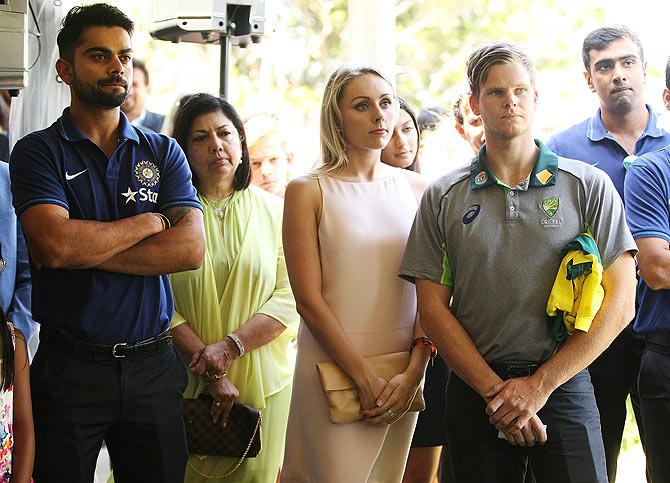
390	411
217	404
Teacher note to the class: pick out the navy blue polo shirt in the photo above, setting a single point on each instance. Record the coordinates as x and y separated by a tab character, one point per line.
647	192
589	141
147	172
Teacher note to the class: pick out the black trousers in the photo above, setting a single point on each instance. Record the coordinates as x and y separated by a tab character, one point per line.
654	385
614	376
573	452
133	404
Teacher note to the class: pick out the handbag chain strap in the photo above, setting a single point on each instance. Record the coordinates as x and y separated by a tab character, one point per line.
239	463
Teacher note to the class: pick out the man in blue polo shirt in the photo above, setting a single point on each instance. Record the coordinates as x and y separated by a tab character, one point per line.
622	128
647	193
108	210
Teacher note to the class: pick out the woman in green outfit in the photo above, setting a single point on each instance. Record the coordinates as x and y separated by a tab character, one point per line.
235	316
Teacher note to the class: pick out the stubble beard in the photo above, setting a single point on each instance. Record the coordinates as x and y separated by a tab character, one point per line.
94	95
623	105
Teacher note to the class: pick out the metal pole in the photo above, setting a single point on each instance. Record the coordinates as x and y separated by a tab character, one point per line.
223	67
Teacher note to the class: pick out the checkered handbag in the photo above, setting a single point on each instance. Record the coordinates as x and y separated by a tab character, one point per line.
240	438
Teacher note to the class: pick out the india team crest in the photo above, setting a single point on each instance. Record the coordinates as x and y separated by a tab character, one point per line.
550	206
147	173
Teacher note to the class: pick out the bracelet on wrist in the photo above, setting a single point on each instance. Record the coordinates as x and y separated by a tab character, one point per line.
164	220
208	377
424	341
238	343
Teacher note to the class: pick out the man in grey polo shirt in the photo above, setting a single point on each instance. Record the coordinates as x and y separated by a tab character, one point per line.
491	235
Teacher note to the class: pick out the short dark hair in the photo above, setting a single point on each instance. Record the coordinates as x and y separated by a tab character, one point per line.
199	104
600	38
667	74
458	107
80	18
139	64
431	117
408	109
486	56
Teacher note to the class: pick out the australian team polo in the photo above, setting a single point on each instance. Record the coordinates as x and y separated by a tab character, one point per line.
147	172
499	247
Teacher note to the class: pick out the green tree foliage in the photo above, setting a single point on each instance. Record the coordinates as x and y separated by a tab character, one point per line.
435	37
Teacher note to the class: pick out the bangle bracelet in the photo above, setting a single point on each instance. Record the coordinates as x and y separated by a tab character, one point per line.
238	343
164	219
424	341
161	219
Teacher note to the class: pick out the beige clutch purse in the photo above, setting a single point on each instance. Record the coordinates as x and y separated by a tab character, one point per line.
342	393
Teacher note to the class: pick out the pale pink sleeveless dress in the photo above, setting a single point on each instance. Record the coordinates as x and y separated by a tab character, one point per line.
362	236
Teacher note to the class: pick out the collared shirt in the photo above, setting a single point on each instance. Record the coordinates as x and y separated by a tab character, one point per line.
647	192
591	142
499	247
149	120
139	119
60	165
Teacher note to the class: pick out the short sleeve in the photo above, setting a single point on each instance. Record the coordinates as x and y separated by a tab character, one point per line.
177	185
36	177
426	251
646	194
605	218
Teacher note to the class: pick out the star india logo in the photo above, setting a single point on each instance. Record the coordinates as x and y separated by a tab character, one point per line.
147	173
129	195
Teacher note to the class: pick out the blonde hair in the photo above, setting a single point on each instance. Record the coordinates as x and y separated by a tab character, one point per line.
486	56
333	144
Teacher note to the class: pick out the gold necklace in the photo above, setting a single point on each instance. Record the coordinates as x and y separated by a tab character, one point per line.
220	212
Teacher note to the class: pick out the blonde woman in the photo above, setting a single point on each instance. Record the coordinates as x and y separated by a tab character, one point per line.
345	229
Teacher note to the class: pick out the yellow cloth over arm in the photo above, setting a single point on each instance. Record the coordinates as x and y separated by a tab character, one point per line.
577	293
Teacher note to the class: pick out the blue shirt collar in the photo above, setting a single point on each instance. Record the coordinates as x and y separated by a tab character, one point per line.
597	130
70	132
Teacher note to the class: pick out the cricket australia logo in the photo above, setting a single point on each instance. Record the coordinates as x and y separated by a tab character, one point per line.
147	173
550	206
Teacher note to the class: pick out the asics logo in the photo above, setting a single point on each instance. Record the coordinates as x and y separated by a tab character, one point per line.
70	177
471	214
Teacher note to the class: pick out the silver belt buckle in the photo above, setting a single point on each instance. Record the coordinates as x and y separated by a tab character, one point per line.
120	344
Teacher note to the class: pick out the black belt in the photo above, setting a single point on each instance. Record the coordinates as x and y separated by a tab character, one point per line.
118	351
658	338
515	369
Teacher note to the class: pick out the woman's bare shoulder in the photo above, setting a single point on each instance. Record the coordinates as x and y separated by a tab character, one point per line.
417	182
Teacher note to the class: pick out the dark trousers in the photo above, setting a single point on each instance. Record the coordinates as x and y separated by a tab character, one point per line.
654	385
573	452
133	404
614	376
